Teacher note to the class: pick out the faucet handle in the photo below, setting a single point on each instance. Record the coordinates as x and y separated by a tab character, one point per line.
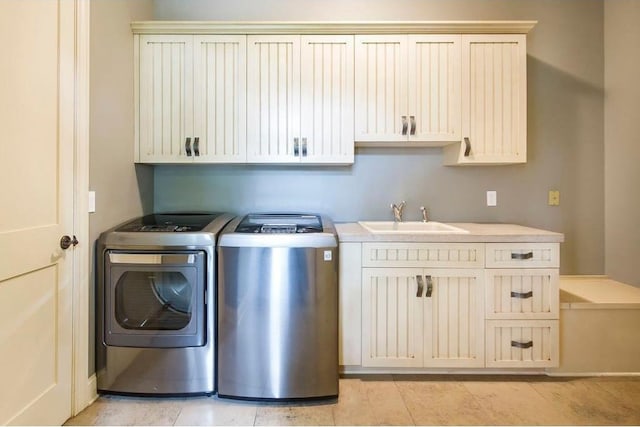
425	218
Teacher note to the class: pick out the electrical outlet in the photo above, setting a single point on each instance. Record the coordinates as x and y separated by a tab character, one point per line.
554	197
492	198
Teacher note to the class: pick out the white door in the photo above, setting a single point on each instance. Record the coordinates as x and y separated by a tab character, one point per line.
381	88
165	128
220	98
36	176
273	99
326	99
454	318
392	317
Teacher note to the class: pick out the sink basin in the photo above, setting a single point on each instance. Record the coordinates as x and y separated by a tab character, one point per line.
409	227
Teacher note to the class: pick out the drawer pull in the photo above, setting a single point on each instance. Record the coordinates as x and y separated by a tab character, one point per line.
429	287
517	344
522	295
420	285
528	255
467	147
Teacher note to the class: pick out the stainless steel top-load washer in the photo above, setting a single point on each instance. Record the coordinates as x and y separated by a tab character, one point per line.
155	305
278	308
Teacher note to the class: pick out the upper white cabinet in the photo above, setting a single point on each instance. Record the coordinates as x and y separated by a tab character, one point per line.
191	99
300	91
408	88
494	101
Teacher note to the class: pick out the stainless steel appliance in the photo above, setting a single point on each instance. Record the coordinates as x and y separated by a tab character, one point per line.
156	305
278	307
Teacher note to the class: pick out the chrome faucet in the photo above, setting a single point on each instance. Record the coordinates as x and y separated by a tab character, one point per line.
397	211
425	218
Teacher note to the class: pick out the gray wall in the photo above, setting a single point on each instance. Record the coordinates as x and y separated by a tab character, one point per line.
622	140
122	191
565	68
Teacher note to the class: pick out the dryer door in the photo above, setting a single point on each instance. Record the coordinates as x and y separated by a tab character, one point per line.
155	299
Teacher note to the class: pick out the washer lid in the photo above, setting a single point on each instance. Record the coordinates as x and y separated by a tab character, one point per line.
280	223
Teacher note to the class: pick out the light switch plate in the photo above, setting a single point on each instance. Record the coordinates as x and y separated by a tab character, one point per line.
92	201
554	198
492	198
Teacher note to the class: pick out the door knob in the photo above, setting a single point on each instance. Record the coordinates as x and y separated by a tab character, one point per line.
66	242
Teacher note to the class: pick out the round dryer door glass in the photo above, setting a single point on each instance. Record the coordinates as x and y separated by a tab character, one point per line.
153	300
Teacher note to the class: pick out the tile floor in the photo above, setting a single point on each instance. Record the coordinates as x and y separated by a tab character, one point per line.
401	400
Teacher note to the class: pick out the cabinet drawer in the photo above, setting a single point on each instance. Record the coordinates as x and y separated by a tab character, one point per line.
522	293
423	255
522	343
523	255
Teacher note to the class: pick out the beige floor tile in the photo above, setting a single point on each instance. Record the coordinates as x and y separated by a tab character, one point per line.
589	402
216	412
387	405
301	414
353	406
439	402
514	402
121	411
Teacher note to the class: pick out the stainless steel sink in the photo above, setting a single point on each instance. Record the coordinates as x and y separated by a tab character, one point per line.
410	227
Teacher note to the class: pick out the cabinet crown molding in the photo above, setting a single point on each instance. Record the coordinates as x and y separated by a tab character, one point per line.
332	27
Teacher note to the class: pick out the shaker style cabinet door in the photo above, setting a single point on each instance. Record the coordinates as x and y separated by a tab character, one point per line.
273	85
165	98
408	89
326	131
494	101
220	98
392	318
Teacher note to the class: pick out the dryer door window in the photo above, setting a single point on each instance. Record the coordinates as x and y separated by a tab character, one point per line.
155	299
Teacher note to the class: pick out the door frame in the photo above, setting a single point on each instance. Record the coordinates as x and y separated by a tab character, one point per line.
83	391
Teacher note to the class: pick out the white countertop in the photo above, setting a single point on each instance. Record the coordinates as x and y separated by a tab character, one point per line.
354	232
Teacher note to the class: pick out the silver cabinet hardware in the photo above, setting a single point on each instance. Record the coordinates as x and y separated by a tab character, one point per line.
187	146
404	125
522	295
66	242
413	125
296	146
429	286
517	344
304	147
467	147
196	146
528	255
420	285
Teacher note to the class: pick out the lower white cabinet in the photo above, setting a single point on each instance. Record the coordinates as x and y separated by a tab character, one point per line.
414	317
417	306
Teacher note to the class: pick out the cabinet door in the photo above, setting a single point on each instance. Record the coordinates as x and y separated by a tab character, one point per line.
273	96
392	318
381	88
326	99
434	88
454	318
494	99
220	98
165	116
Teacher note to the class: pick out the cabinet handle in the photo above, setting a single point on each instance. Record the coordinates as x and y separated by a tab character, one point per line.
517	344
522	295
304	147
404	125
429	286
467	147
296	147
420	285
196	146
413	125
528	255
187	146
